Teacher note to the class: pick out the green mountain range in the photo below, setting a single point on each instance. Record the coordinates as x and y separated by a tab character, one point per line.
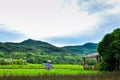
82	49
38	52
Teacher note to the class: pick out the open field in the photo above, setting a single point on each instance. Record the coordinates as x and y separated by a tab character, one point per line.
38	69
33	72
59	72
40	66
103	76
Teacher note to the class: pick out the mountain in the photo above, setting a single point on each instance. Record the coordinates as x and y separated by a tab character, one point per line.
82	49
43	47
37	52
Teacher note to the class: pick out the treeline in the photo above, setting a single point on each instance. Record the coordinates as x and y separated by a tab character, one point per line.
39	52
36	58
11	61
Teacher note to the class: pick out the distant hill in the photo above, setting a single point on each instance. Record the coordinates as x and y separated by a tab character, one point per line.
82	49
37	52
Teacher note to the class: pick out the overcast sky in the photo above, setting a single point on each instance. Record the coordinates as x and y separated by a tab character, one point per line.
60	22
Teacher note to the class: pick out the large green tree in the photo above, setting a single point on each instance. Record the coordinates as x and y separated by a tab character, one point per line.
109	49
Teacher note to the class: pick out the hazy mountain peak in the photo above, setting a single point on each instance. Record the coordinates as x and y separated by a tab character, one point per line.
86	48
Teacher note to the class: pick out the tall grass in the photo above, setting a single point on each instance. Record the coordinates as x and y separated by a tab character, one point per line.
103	76
38	69
40	66
60	72
28	66
33	72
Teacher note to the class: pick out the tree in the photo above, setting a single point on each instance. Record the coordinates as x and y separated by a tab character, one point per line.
109	49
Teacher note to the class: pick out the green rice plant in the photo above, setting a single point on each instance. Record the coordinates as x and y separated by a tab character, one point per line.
100	76
39	69
67	66
28	66
40	66
43	72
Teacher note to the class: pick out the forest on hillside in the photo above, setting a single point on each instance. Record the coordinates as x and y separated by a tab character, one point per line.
39	52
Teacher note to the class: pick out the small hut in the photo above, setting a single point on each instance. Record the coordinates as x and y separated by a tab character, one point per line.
93	55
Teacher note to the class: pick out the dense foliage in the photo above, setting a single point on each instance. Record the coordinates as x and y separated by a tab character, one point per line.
109	49
12	61
38	52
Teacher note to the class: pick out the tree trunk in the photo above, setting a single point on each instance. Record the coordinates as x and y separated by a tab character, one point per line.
117	66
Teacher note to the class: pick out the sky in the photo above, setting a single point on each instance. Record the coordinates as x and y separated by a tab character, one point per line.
59	22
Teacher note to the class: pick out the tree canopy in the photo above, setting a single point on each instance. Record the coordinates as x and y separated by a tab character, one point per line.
109	49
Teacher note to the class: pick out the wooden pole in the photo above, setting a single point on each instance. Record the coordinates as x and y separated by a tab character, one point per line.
97	61
100	59
83	63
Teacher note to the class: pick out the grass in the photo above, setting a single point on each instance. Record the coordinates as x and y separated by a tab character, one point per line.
103	76
40	66
60	72
28	66
38	69
44	72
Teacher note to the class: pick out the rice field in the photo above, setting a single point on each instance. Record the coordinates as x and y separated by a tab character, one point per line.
102	76
59	72
38	69
40	66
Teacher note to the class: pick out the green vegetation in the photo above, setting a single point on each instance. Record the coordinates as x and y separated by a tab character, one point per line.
59	72
40	66
38	52
39	69
16	59
34	72
109	49
103	76
12	61
82	49
27	66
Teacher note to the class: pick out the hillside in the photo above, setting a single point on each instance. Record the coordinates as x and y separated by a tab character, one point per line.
82	49
37	52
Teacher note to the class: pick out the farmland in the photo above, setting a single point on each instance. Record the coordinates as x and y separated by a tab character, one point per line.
59	72
38	69
104	76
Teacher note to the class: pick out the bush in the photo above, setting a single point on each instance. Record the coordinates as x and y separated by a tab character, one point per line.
12	61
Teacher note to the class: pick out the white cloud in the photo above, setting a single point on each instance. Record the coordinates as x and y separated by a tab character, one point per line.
113	1
41	19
